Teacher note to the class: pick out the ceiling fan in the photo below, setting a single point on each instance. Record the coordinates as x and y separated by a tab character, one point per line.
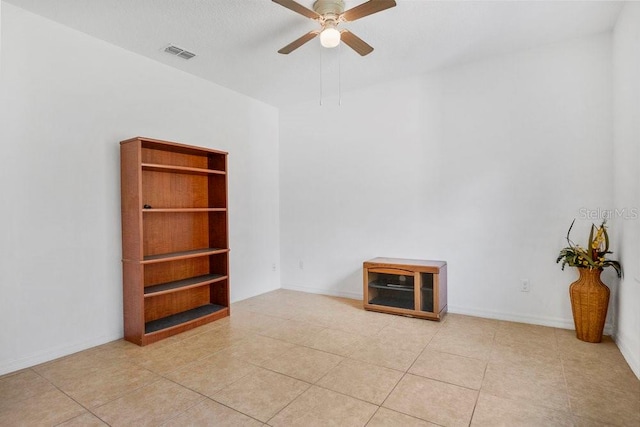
329	14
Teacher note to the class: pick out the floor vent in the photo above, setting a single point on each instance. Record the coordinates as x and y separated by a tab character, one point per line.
176	51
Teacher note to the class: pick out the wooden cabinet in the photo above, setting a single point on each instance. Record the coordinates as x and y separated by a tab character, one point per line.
175	248
409	287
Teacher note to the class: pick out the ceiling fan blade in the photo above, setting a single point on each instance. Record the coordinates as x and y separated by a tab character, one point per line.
298	8
299	42
366	9
355	43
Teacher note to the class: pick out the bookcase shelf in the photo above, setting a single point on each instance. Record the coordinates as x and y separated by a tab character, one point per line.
175	249
180	169
183	284
182	255
183	318
392	287
167	210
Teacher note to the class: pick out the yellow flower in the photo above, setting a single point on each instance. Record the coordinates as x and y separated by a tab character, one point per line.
598	239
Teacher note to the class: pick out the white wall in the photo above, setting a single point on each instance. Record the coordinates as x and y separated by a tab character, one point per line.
0	34
626	78
482	165
66	100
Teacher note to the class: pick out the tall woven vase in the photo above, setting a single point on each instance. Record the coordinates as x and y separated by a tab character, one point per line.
589	302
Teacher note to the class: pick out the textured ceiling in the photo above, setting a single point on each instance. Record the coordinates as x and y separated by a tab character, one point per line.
236	41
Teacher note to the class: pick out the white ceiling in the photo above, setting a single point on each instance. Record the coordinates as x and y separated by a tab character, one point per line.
236	41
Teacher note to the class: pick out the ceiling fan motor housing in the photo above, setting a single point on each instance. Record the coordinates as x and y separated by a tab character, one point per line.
327	8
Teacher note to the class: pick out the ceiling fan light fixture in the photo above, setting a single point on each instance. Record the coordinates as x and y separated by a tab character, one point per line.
330	36
330	13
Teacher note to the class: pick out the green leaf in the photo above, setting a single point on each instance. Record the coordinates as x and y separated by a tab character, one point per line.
589	248
569	231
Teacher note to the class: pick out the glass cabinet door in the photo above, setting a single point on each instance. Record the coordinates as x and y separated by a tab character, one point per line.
426	292
391	288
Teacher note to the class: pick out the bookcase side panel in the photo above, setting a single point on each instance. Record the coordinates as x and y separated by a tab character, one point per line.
133	301
131	186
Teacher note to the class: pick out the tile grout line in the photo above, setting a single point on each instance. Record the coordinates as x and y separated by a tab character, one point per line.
484	373
372	416
564	377
288	404
208	398
89	410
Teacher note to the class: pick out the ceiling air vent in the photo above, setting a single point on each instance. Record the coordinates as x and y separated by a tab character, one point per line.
176	51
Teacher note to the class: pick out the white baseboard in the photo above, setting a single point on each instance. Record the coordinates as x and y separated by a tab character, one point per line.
509	317
516	317
632	358
333	293
53	353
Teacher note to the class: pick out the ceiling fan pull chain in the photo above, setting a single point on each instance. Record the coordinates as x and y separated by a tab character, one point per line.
340	75
320	74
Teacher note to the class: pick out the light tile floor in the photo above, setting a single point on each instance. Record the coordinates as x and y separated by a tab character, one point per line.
293	359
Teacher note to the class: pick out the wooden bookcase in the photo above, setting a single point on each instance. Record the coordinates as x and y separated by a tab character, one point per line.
175	247
408	287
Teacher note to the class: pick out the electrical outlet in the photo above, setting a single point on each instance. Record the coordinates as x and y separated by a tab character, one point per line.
273	267
301	265
525	285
